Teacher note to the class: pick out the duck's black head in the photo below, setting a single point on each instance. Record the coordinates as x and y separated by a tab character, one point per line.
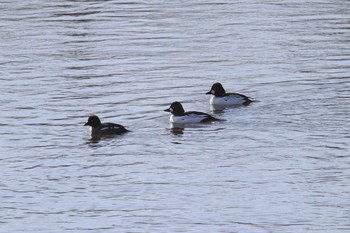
217	89
176	109
93	121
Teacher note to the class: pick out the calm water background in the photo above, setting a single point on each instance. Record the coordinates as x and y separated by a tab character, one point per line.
278	165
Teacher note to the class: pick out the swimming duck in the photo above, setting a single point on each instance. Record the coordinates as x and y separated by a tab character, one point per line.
179	116
226	99
98	129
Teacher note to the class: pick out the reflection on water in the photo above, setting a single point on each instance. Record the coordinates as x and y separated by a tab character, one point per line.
286	153
177	130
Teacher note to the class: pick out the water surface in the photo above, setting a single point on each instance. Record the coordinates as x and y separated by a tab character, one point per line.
278	165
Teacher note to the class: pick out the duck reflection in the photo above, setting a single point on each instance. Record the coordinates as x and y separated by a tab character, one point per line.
93	140
218	109
177	129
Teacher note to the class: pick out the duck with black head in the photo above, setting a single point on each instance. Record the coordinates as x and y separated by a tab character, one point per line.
99	129
222	98
179	116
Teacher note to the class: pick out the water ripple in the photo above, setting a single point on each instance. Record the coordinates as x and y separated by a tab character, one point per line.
127	61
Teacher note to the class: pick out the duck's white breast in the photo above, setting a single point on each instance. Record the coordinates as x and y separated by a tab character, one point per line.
227	100
187	119
93	131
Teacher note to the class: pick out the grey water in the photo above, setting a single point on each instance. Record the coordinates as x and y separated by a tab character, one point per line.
280	164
